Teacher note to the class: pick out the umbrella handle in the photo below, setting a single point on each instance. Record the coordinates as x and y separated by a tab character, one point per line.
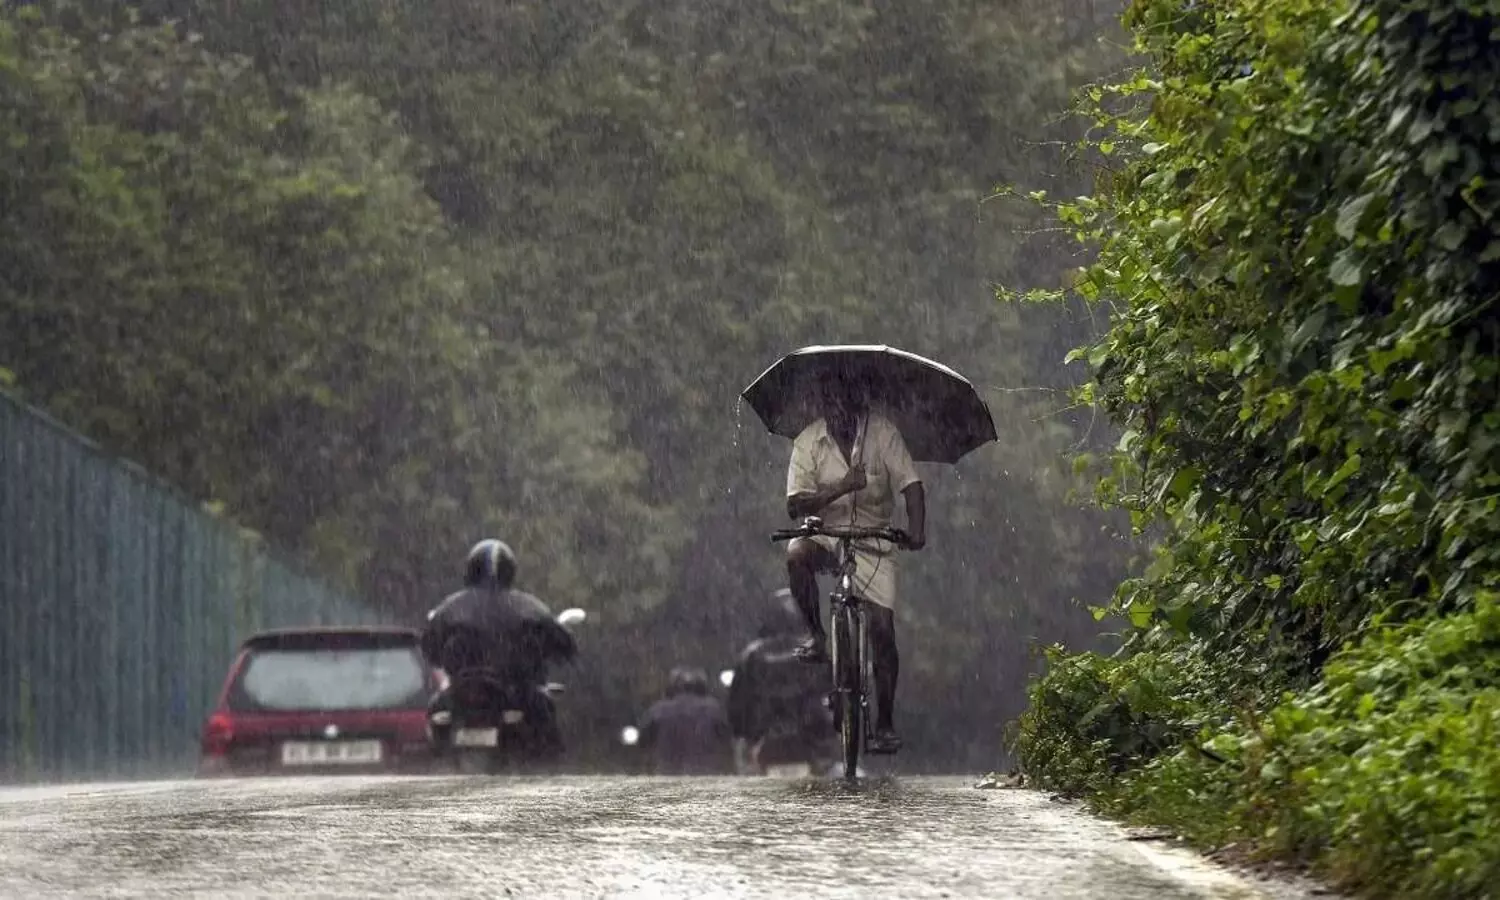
858	456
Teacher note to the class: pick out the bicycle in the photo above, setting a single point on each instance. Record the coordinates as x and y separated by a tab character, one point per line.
849	646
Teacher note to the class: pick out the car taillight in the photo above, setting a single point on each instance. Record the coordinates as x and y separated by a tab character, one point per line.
440	679
218	733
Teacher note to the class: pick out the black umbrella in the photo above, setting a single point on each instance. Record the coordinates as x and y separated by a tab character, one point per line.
937	410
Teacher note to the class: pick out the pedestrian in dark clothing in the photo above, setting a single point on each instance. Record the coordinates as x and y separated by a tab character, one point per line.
687	732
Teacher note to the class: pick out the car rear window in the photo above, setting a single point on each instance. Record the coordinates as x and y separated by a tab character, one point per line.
328	679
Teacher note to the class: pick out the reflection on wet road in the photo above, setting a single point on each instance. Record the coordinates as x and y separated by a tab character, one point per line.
576	837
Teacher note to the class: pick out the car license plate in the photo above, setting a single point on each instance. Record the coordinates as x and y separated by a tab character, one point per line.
476	737
320	753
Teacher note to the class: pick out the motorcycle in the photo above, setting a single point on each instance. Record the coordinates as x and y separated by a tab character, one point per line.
791	749
483	724
789	754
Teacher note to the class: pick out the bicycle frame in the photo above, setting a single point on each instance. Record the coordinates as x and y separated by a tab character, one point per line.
853	675
850	657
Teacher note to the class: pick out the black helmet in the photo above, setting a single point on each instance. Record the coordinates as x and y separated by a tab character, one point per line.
687	680
781	616
491	564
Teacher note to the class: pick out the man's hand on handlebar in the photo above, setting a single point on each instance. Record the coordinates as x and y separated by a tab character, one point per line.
814	527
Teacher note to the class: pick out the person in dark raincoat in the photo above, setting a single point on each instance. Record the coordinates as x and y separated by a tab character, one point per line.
687	732
492	627
776	703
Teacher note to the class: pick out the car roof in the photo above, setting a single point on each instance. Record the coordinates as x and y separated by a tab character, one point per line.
330	636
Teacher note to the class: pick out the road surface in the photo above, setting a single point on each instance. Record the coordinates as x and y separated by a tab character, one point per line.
580	837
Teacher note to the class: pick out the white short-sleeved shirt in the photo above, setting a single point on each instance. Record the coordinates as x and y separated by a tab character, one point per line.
818	463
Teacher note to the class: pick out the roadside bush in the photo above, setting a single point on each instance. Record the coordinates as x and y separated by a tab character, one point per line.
1299	253
1388	773
1385	776
1094	717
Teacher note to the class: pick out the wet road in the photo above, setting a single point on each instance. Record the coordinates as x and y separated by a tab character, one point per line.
579	837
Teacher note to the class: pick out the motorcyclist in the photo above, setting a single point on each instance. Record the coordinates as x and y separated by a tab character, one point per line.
686	731
509	635
776	703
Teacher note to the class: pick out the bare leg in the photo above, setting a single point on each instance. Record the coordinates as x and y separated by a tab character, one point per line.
887	665
804	559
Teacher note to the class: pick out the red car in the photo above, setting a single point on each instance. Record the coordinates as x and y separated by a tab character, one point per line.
322	700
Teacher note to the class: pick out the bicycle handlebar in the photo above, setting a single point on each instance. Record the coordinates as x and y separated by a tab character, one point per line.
817	529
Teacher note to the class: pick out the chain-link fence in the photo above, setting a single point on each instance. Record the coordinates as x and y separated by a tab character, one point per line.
121	604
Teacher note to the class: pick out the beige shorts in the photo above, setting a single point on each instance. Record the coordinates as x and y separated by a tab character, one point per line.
874	571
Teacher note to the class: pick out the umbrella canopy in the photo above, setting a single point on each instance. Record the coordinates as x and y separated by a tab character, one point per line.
937	410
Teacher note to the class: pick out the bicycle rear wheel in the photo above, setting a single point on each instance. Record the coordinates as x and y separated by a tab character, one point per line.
846	682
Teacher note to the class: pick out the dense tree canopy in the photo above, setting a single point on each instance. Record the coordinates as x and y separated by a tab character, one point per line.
382	277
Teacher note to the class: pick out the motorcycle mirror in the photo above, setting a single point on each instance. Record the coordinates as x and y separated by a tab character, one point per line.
726	677
571	616
630	736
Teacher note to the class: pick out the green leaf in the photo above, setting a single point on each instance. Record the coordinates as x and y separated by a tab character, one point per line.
1350	216
1183	482
1179	618
1346	270
1450	236
1344	473
1140	614
1310	328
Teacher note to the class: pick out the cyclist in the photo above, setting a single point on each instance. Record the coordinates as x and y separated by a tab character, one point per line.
776	704
491	626
847	467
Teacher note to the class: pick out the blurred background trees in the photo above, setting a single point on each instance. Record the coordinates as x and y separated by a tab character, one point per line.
382	278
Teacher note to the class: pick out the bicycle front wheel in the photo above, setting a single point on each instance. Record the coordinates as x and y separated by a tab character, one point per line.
846	684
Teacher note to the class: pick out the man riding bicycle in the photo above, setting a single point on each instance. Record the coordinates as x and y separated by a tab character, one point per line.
847	468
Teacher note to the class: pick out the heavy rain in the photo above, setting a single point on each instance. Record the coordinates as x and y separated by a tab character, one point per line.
435	438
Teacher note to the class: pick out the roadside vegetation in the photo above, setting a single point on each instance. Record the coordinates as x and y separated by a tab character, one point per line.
1299	252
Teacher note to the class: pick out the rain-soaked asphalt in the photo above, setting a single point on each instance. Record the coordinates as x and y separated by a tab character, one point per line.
579	837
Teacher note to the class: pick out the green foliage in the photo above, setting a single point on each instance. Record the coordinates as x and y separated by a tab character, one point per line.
1385	776
1093	717
1297	251
251	290
1301	356
379	278
1390	769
